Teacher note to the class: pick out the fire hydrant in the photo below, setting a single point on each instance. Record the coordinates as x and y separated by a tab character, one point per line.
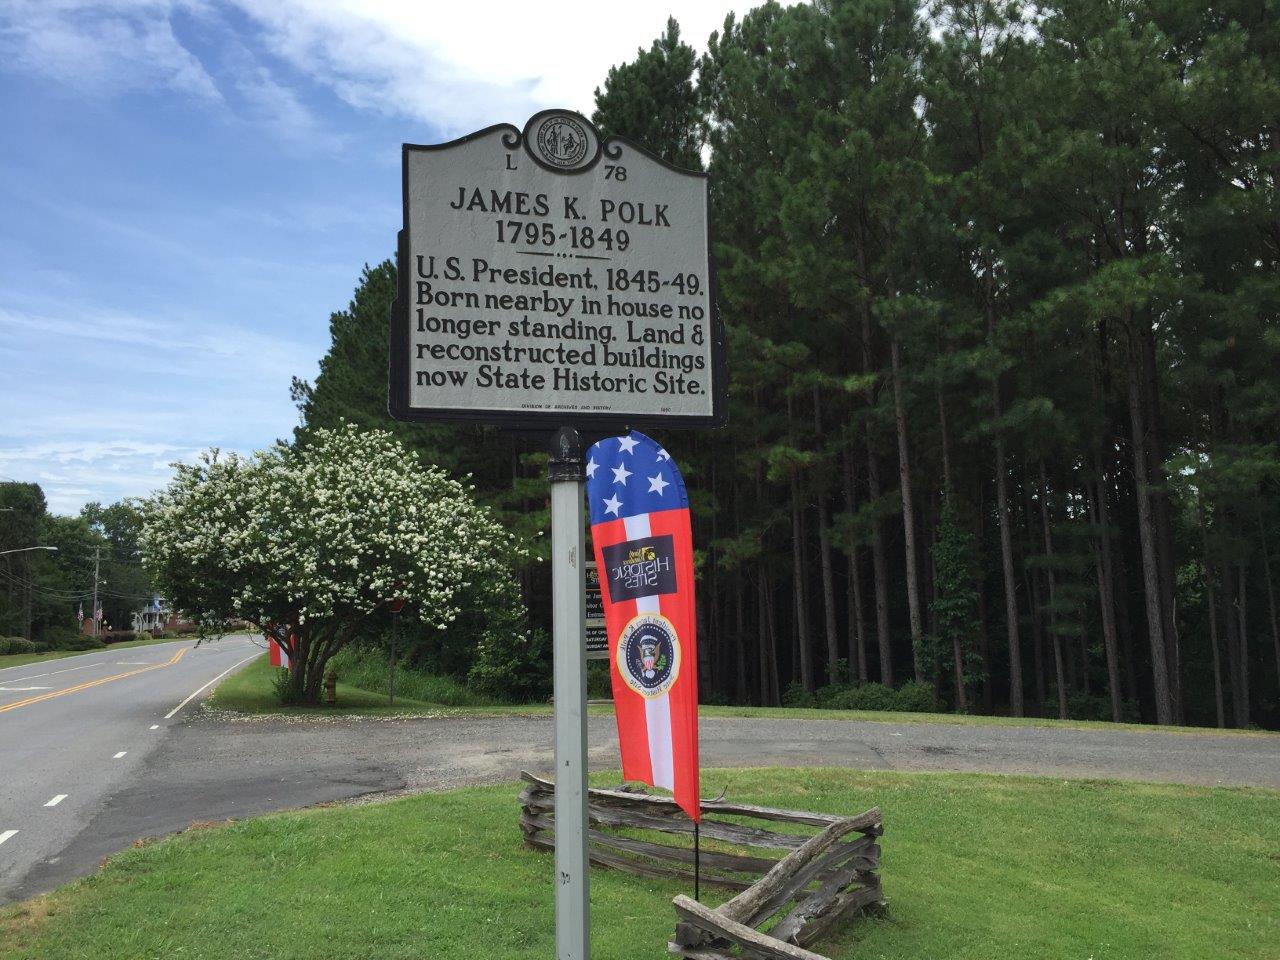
331	689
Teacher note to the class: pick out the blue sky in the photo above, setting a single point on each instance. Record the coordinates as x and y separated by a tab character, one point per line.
189	188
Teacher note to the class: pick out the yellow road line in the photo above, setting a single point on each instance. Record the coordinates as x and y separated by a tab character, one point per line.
92	683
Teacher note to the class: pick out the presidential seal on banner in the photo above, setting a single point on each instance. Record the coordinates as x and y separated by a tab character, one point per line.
649	655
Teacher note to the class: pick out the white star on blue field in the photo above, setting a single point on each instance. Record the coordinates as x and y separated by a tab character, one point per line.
639	472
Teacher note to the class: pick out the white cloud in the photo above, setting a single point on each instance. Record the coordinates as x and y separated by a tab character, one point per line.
103	48
456	66
463	65
146	391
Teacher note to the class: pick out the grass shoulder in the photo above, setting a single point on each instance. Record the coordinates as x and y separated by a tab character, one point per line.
975	866
251	691
962	719
22	659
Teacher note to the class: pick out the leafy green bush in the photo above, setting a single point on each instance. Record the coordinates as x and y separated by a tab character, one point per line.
1085	706
368	667
16	645
711	697
75	641
868	696
285	689
512	664
915	696
599	684
143	635
796	695
829	697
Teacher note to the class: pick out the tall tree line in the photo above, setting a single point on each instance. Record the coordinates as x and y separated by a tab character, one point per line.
1001	302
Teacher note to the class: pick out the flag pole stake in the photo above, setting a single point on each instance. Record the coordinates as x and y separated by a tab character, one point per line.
567	474
697	863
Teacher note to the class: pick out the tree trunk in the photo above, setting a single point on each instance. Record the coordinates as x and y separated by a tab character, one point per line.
1106	594
1242	710
857	623
1016	706
1159	496
1213	620
1271	594
801	593
947	479
764	653
1059	673
824	556
1147	538
771	613
908	515
740	694
877	534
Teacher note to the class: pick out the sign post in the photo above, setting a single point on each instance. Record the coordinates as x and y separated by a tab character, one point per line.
553	280
569	678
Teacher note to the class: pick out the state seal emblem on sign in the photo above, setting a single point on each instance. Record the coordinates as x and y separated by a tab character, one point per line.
649	655
562	141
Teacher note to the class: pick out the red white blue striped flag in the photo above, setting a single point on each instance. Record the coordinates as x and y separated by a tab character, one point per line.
644	552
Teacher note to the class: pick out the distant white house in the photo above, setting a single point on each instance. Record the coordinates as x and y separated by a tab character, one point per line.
152	617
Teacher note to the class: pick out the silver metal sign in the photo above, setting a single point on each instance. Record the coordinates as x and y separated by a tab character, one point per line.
548	277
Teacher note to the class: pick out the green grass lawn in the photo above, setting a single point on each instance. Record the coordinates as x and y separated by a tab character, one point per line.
250	691
22	659
975	868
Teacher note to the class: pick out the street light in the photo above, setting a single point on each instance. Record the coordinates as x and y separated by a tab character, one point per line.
25	549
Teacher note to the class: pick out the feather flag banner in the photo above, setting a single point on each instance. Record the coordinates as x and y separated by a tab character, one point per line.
643	545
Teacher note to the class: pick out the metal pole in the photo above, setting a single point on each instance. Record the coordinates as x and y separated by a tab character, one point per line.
94	613
395	622
568	606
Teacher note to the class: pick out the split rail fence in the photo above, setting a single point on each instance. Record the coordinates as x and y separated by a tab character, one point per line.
792	888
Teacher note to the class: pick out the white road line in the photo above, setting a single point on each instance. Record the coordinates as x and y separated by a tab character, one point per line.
120	754
155	726
56	800
54	673
6	835
22	689
169	715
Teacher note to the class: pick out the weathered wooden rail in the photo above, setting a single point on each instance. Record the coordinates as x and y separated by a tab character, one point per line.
783	902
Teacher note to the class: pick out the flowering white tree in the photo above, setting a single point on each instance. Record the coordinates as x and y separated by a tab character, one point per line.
309	541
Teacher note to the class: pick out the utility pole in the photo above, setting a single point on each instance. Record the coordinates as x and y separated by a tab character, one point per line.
94	612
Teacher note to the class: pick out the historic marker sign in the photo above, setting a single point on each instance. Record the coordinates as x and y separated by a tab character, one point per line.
549	278
596	639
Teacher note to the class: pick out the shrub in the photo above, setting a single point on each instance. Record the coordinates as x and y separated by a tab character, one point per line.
915	696
286	691
599	685
16	645
1086	706
829	697
512	664
78	641
796	695
368	667
713	698
868	696
117	636
143	635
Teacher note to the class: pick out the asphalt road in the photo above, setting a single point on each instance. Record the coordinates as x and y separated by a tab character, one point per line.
78	731
211	766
